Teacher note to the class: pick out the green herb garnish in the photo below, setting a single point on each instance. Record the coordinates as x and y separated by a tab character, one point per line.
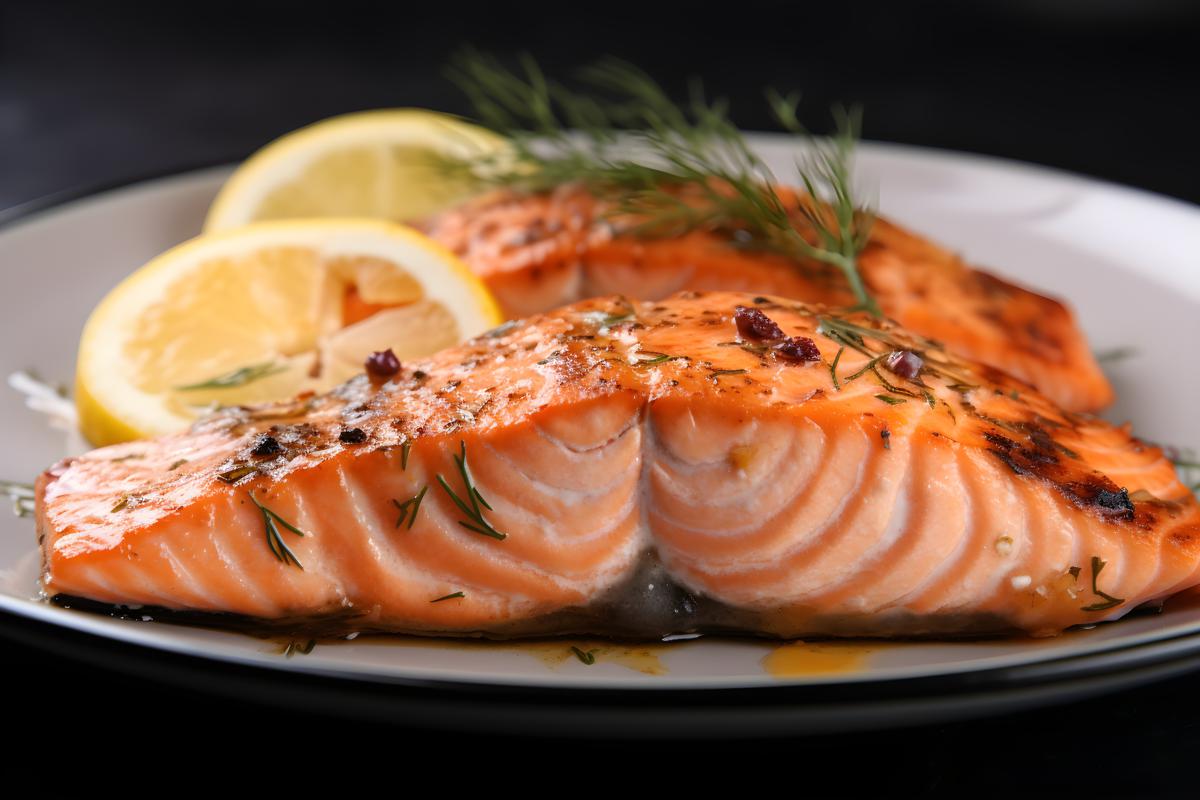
471	507
604	320
833	368
236	474
271	521
558	135
22	496
1109	600
655	358
176	464
303	648
587	657
452	596
1116	354
239	377
408	509
717	373
891	401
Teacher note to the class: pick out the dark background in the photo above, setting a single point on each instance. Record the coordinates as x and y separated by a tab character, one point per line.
99	93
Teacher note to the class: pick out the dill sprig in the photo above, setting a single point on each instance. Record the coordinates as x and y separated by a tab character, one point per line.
22	496
409	508
675	168
1108	600
474	504
588	657
238	377
297	647
271	522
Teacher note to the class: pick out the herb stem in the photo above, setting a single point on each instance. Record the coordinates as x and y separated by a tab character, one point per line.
271	523
693	168
472	507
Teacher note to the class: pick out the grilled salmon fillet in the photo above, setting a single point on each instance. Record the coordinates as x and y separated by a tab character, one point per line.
711	462
540	251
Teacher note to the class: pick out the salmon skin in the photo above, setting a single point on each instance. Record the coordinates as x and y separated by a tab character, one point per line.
711	462
540	251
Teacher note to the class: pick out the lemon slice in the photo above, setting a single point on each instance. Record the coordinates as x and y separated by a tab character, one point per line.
376	164
265	312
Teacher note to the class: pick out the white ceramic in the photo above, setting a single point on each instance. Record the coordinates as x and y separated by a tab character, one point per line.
1127	260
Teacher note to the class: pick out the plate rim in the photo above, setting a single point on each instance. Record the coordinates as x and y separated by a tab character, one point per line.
60	201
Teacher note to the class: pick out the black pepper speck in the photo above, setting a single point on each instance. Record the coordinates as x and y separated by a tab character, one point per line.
352	436
267	446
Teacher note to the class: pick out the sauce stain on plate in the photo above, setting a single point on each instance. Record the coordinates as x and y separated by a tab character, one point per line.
804	659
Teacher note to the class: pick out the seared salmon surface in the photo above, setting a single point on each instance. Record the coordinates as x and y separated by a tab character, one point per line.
712	462
540	251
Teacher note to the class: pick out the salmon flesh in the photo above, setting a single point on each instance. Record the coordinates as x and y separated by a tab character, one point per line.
537	252
714	462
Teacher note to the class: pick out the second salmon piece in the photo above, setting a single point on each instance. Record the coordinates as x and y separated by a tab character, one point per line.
711	462
540	251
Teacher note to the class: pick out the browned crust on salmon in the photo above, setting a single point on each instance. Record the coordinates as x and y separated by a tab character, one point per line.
537	252
788	486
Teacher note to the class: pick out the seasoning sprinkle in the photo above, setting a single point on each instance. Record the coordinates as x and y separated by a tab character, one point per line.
797	348
266	446
236	474
303	648
177	464
586	656
754	325
382	365
833	368
405	449
1109	601
408	509
475	521
352	436
238	377
271	522
655	358
22	496
904	363
452	596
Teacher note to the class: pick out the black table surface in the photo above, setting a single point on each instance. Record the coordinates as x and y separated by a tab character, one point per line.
101	93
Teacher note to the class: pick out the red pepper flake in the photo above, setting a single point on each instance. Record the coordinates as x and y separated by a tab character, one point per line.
904	363
754	325
797	348
382	365
352	436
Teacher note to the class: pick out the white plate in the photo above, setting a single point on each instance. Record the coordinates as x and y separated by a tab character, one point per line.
1126	259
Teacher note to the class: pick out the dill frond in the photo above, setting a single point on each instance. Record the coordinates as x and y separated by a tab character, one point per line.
670	168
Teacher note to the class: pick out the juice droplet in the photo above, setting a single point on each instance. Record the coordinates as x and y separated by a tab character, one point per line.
802	659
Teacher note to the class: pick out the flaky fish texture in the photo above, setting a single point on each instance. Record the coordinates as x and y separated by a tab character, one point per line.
540	251
711	462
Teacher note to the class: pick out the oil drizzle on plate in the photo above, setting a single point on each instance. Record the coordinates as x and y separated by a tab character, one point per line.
803	659
639	658
555	654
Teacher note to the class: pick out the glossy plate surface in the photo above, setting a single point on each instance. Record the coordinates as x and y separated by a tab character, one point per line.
1126	259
